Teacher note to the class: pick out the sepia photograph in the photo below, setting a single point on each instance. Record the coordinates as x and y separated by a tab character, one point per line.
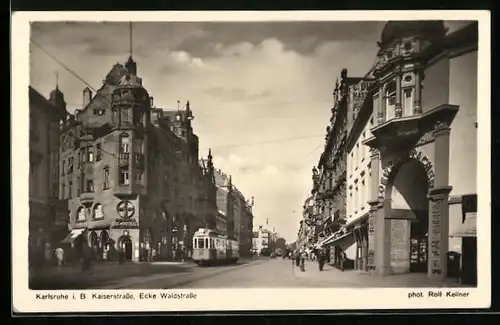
306	154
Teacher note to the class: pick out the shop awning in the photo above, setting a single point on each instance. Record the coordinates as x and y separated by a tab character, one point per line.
468	228
337	239
73	235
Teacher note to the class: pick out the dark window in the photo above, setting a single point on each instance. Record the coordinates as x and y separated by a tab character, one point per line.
63	167
70	165
78	186
90	185
98	152
70	186
407	46
63	191
106	177
124	176
138	175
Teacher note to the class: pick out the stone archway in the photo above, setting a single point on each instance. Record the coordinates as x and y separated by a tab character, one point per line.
126	245
406	205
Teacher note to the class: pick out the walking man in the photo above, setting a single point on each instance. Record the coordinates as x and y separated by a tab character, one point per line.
342	260
321	259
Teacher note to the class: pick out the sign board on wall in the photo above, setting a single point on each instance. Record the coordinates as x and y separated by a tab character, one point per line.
400	244
371	241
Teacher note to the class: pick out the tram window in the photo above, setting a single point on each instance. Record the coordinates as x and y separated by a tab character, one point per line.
200	243
206	243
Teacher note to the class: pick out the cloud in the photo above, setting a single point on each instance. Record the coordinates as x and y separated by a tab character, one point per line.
260	92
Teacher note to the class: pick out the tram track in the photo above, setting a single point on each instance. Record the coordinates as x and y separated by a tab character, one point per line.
177	280
221	271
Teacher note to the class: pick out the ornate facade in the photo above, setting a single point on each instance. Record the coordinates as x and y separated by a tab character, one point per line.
405	128
45	221
131	173
422	110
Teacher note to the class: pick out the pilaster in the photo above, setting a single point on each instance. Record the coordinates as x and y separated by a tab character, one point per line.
398	110
438	204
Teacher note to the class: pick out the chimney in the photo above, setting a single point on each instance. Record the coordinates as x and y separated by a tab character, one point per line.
87	96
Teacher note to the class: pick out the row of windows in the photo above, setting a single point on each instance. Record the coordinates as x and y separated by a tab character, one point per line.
95	212
211	243
85	155
408	95
359	195
87	185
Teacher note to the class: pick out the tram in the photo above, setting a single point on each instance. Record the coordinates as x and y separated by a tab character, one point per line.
212	248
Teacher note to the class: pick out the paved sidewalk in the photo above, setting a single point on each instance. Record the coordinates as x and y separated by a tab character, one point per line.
333	277
72	277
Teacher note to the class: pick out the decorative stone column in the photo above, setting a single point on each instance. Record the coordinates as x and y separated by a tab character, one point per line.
374	233
438	204
380	113
398	110
417	105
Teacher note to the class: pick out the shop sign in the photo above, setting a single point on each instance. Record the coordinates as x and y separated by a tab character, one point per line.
125	209
121	223
359	92
435	237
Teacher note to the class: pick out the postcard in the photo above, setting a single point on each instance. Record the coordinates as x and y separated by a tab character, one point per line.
168	161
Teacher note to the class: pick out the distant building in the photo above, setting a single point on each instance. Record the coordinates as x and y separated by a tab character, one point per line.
47	215
237	211
261	240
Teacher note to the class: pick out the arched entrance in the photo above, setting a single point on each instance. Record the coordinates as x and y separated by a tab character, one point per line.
125	243
105	247
407	206
94	244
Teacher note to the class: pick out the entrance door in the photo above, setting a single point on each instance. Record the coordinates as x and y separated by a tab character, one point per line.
127	247
418	246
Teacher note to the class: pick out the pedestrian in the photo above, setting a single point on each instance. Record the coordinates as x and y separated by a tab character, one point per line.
121	256
343	257
60	257
297	257
321	259
303	261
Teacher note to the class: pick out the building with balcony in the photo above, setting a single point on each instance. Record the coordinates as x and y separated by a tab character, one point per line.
307	225
403	128
237	211
329	178
261	241
419	119
47	219
359	175
131	173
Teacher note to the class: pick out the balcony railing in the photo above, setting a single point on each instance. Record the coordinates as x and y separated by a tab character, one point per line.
124	158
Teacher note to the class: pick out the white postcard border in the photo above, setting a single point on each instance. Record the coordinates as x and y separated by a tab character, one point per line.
25	300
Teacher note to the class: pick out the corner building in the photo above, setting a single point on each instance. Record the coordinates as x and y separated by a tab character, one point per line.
423	147
131	174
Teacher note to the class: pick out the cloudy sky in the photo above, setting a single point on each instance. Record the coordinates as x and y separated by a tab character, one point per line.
260	92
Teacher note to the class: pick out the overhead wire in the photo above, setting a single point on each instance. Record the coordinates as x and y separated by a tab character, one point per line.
109	100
